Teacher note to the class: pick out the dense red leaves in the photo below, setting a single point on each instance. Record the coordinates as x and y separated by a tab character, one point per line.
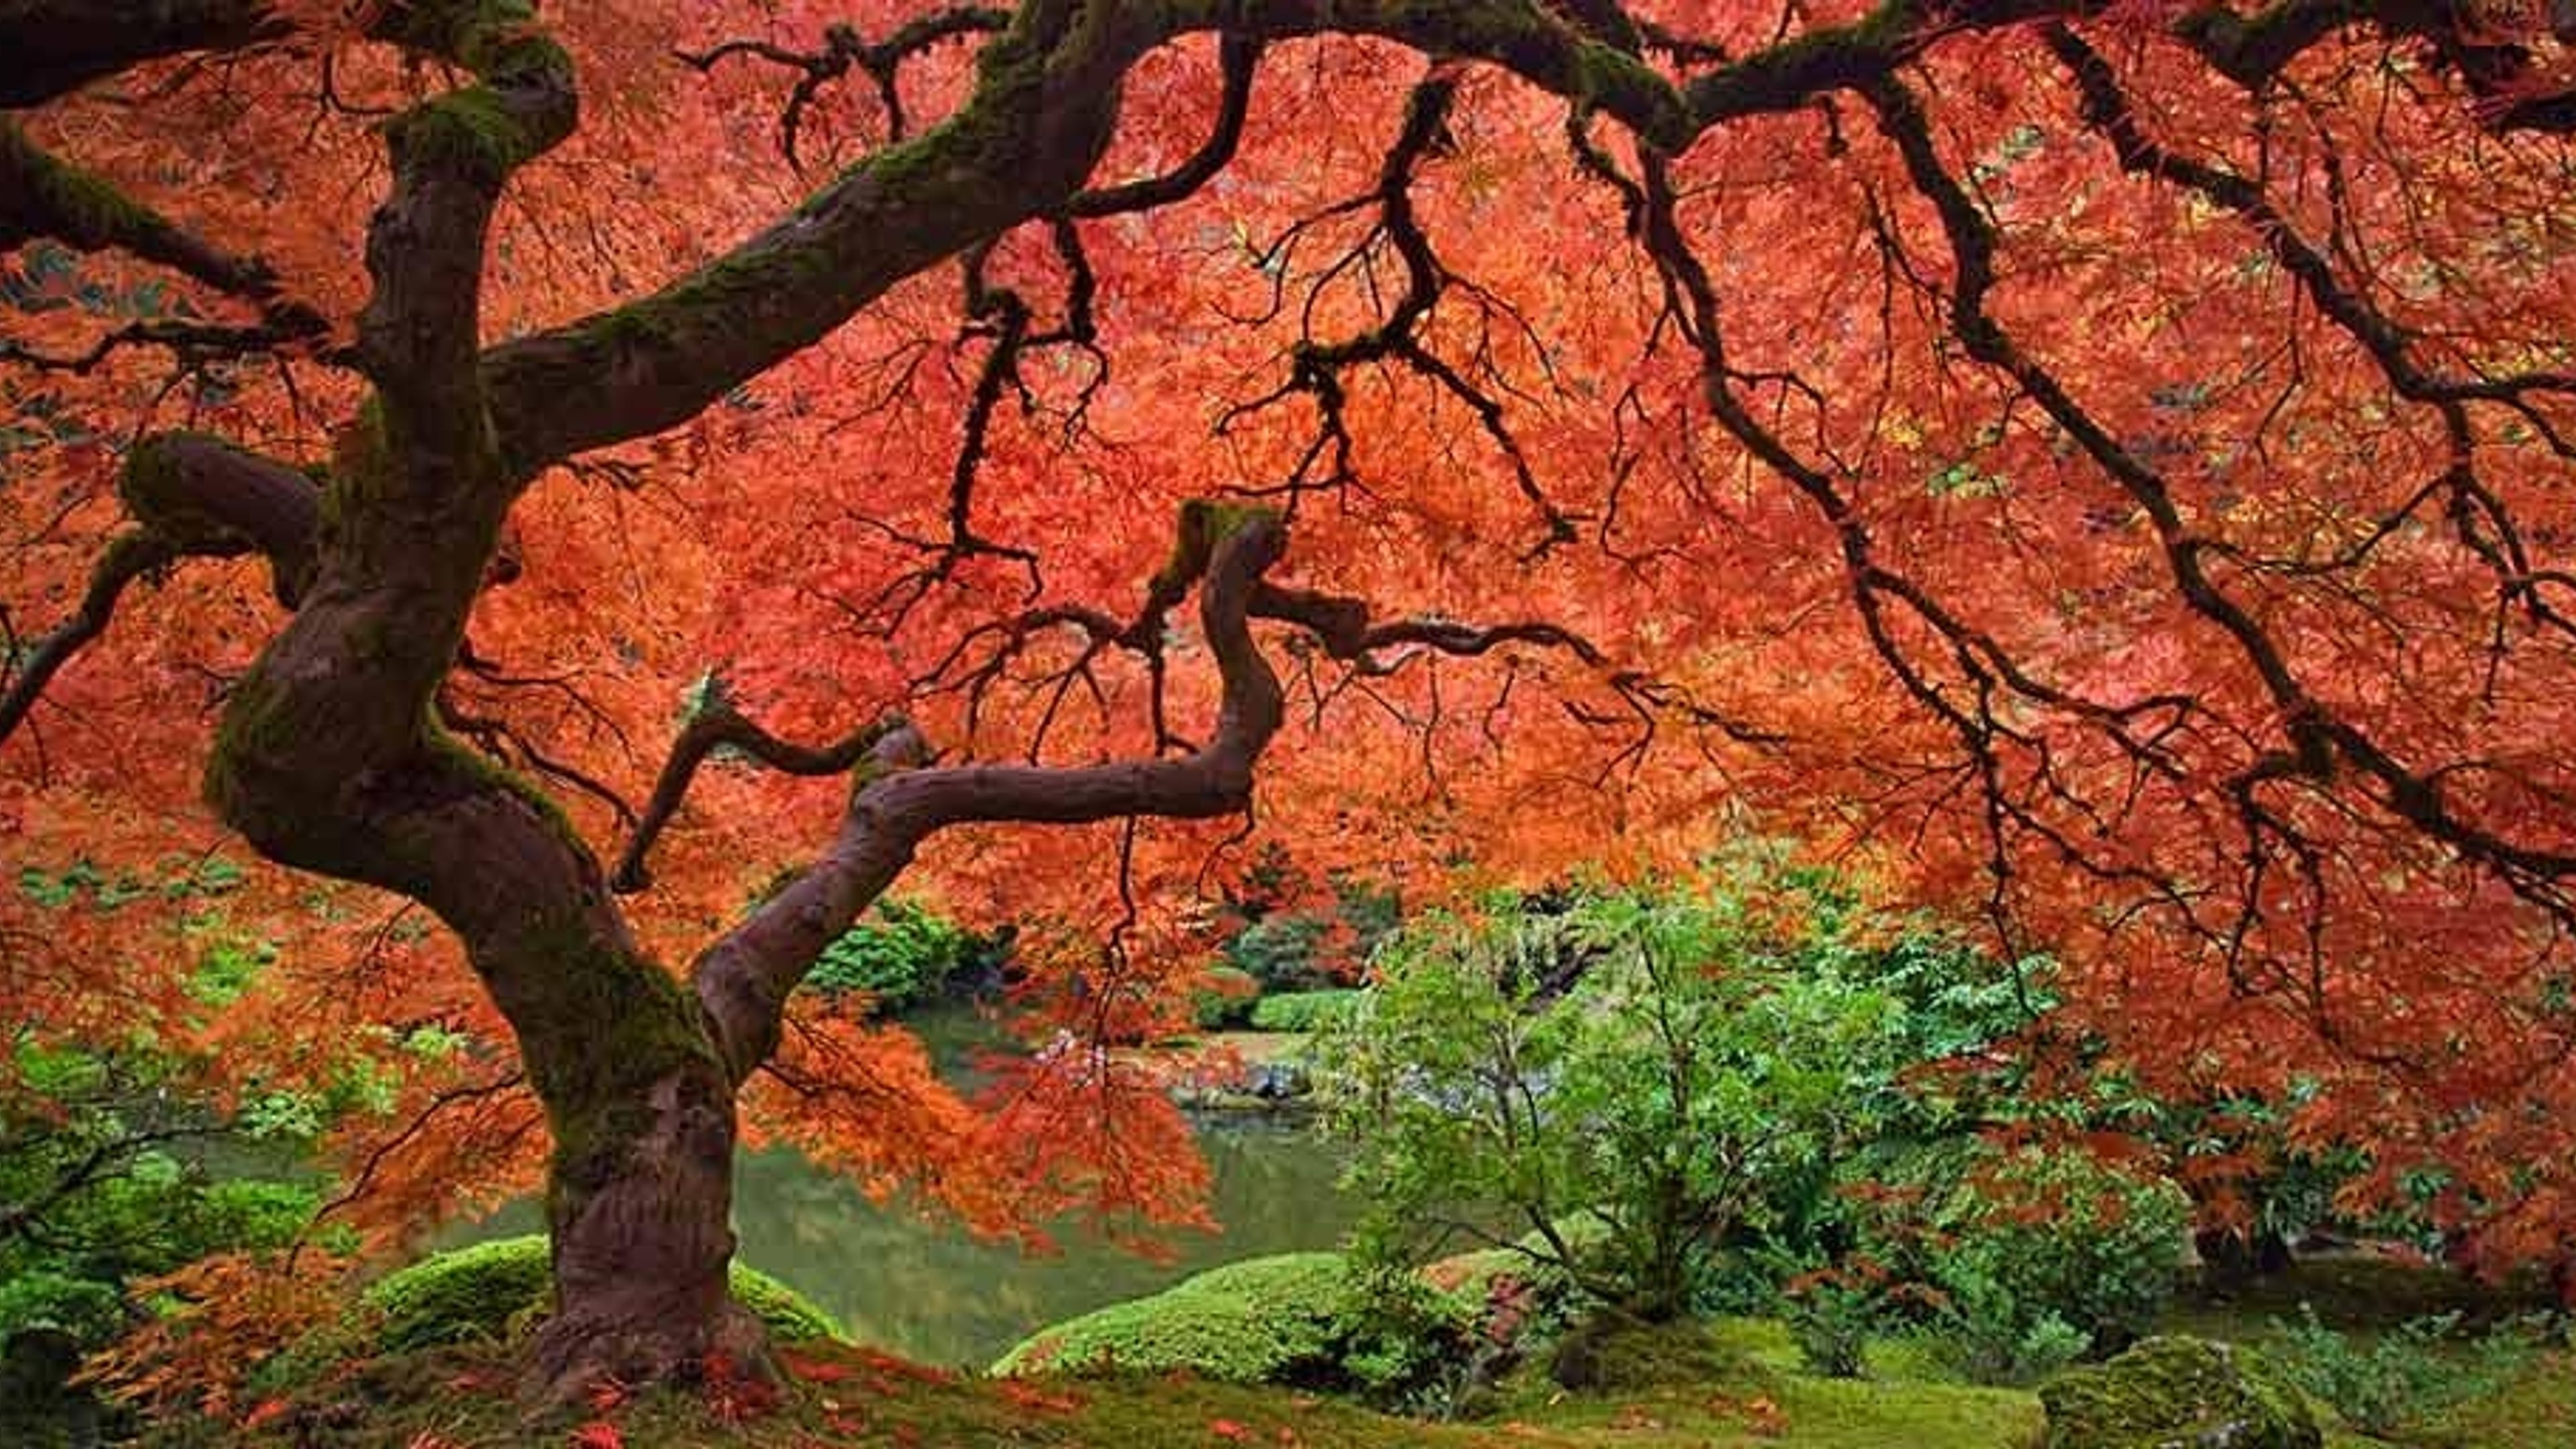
789	541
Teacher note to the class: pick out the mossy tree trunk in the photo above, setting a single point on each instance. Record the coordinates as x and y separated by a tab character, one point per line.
639	1194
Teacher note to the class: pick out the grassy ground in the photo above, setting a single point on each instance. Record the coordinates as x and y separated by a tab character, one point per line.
1708	1395
1733	1385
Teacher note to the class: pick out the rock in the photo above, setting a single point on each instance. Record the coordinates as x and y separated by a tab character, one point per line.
2178	1393
1277	1081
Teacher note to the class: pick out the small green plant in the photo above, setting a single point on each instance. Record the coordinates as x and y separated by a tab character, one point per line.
2032	1236
1992	1336
2388	1384
1831	1316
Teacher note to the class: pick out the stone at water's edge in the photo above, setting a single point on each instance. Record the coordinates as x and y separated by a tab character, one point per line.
2178	1393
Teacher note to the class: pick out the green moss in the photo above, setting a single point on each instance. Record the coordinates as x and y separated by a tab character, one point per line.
2178	1390
77	206
467	129
1281	1319
491	1290
600	1029
1204	524
1607	74
1766	78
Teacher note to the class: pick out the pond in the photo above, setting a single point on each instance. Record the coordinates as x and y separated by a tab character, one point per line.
931	1291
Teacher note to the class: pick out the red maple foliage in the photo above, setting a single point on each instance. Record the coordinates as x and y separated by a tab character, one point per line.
2104	470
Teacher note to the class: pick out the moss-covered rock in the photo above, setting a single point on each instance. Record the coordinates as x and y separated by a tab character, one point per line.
2178	1393
488	1289
1284	1319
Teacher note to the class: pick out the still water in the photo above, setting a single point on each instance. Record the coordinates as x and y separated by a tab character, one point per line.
931	1291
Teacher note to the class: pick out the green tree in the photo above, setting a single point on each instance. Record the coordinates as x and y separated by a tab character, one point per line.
1626	1124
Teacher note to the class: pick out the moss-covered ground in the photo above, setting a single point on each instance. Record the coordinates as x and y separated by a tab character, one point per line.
1730	1385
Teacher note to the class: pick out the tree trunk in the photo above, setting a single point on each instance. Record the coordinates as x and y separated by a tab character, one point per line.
639	1204
639	1199
2230	1259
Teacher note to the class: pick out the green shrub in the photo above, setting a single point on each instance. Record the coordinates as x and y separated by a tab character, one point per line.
1662	1089
1305	1010
2425	1365
488	1289
90	1312
1284	952
2037	1236
1317	947
1831	1317
1225	997
1992	1337
902	955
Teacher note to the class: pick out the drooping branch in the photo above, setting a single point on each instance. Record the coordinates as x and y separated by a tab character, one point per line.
2486	526
1239	57
718	725
2318	736
881	60
1023	146
129	556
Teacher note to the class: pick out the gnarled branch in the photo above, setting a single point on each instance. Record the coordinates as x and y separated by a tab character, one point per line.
900	800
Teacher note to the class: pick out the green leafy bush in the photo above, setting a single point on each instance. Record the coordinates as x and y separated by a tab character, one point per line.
1662	1088
1305	1010
89	1311
2386	1385
107	1151
488	1289
1313	948
2041	1257
1284	952
902	955
1993	1337
1833	1313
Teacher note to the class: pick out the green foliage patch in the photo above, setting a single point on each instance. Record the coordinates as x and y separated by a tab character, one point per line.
1305	1010
903	955
1666	1072
2390	1383
1225	998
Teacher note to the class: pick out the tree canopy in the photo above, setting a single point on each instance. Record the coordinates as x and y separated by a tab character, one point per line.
626	482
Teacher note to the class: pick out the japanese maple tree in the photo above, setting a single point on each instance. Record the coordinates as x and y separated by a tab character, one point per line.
2106	464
